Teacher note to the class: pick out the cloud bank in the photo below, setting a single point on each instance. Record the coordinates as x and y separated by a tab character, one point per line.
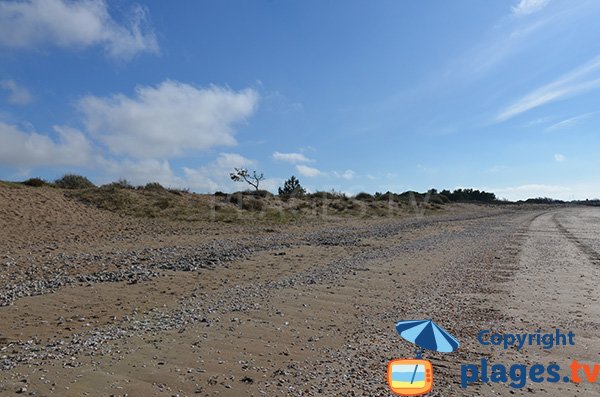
291	157
30	149
136	136
169	120
307	171
578	81
80	24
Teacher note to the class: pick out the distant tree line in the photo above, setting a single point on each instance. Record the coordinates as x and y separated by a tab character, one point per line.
293	188
469	195
543	200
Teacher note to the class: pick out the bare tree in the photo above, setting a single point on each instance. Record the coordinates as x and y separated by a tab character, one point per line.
242	175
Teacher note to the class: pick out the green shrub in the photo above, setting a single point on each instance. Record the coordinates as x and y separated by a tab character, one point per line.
252	204
436	199
35	182
247	201
238	197
444	198
72	181
257	193
387	196
120	184
363	196
154	186
331	195
410	195
179	192
321	195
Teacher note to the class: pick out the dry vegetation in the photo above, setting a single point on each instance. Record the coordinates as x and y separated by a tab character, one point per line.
185	206
156	201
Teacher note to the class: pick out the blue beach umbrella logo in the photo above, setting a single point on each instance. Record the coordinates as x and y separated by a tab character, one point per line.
427	335
414	377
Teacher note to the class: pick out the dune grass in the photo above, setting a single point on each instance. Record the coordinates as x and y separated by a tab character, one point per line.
158	202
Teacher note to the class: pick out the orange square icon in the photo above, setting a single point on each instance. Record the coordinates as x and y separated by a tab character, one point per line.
410	377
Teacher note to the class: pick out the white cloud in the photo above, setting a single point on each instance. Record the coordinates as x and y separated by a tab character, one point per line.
291	157
29	149
307	171
562	192
141	172
169	120
215	176
348	174
311	172
578	81
559	157
143	132
569	122
74	24
17	95
527	7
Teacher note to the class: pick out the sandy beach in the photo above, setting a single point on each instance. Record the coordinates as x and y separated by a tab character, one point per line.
99	304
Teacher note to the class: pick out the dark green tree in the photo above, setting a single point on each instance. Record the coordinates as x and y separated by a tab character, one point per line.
292	187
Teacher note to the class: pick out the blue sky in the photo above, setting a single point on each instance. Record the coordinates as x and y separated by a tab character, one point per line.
346	95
